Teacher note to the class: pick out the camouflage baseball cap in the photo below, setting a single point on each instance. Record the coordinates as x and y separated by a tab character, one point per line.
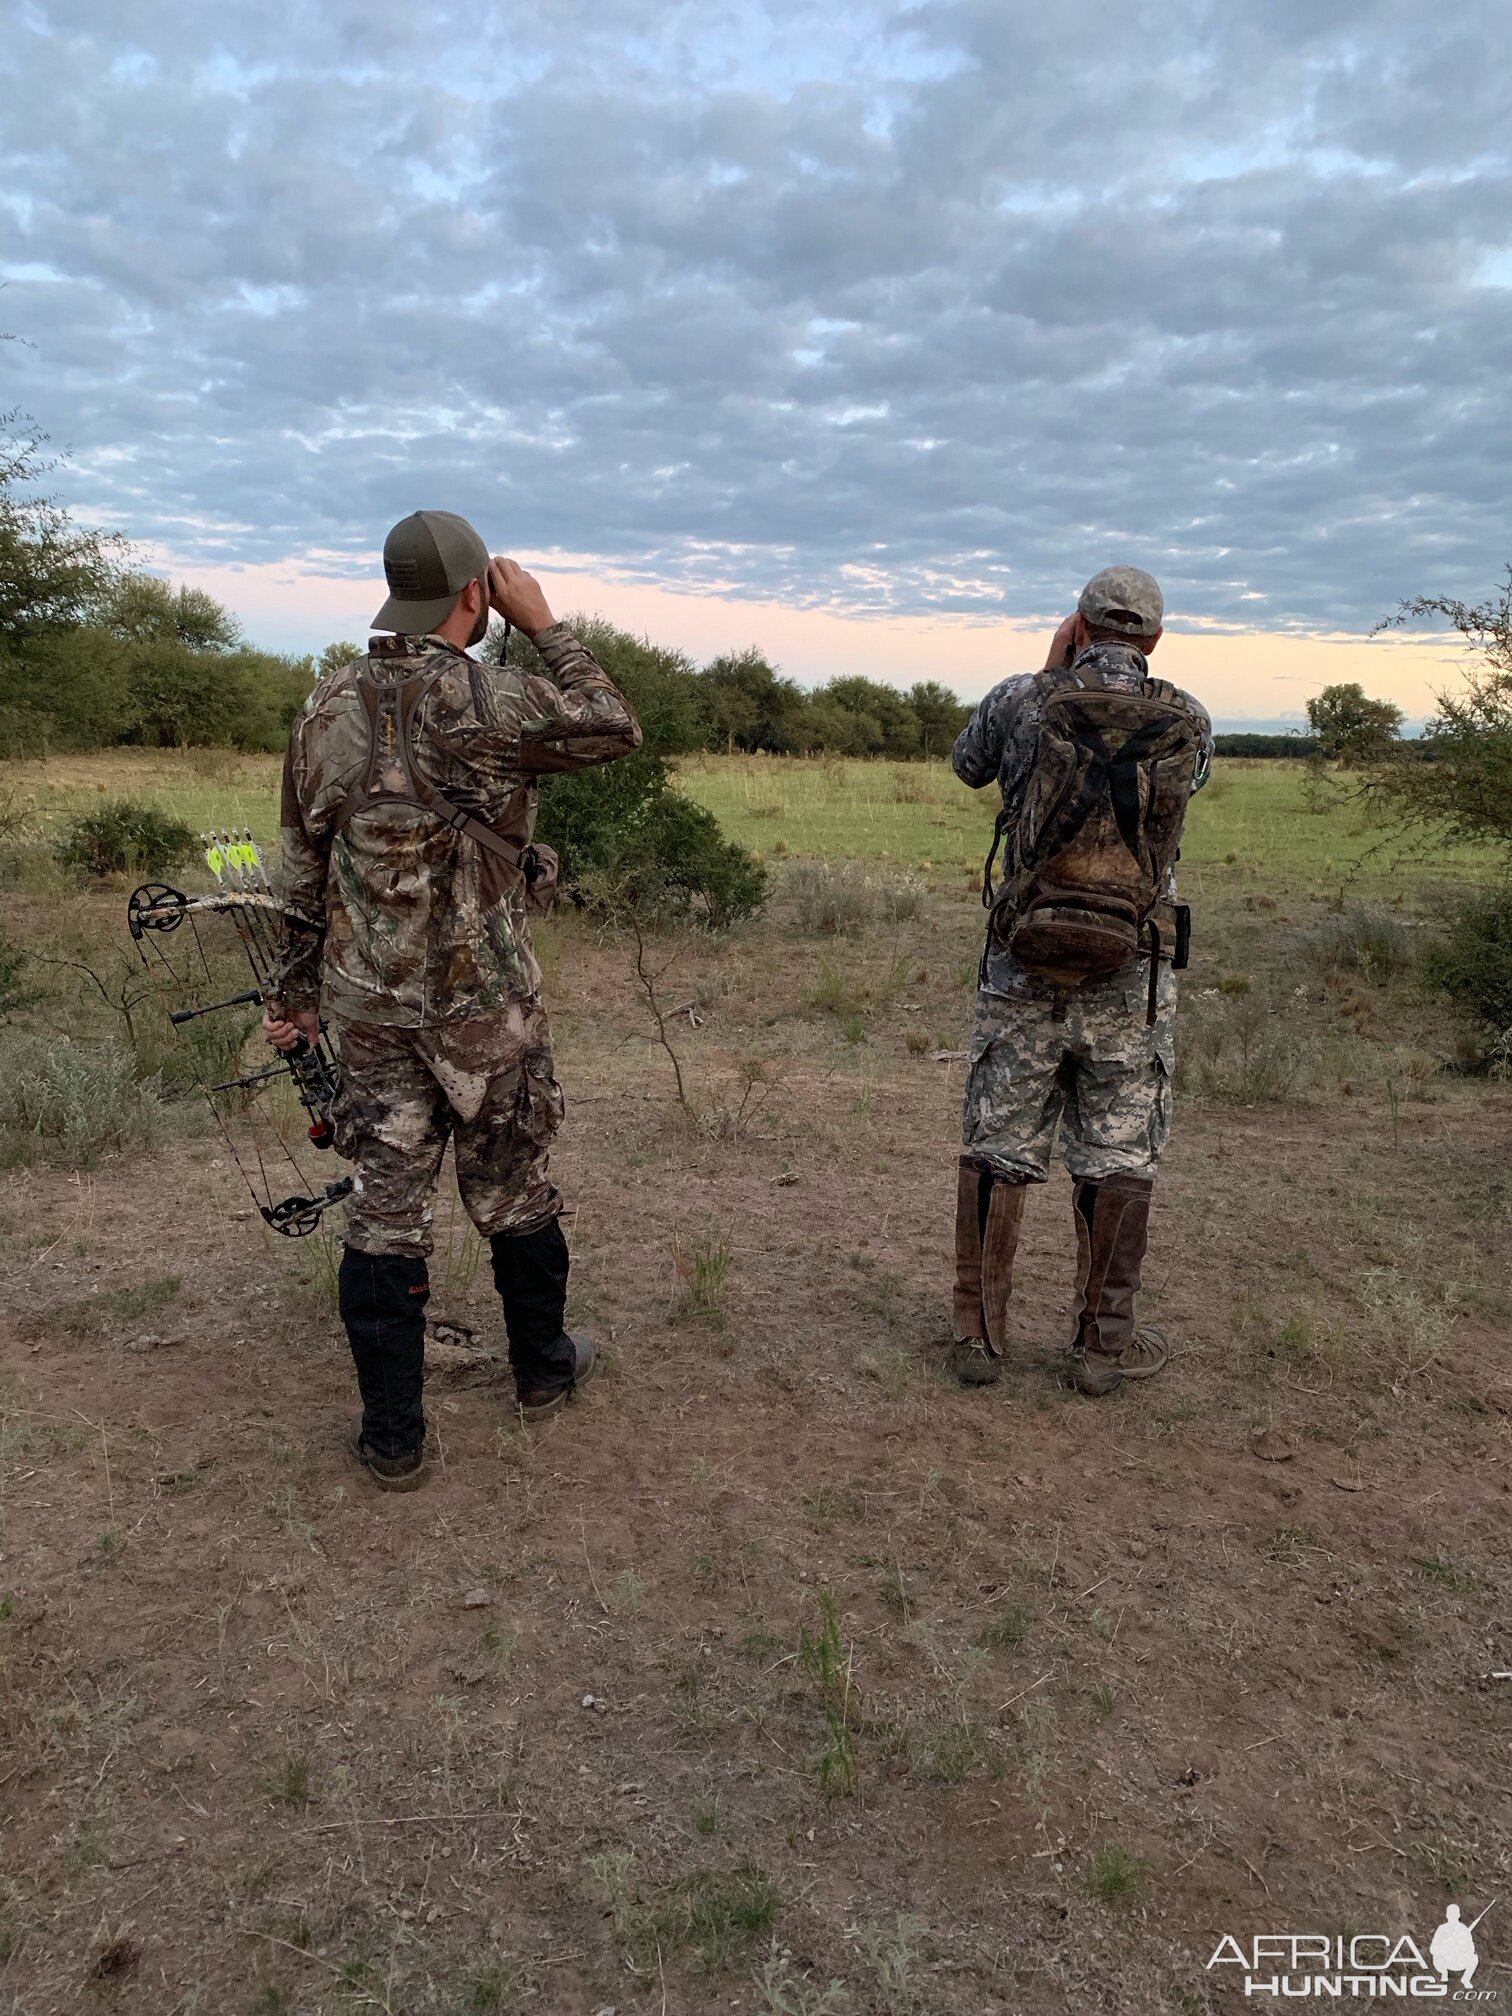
428	559
1123	598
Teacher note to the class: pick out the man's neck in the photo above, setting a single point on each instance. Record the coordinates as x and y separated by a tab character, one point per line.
1121	661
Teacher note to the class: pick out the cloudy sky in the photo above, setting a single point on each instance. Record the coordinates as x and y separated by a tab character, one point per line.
866	332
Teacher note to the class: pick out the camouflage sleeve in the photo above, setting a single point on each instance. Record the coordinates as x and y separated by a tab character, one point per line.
982	743
576	716
301	890
1204	768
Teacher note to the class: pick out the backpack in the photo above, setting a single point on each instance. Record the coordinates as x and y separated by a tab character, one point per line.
1088	855
390	776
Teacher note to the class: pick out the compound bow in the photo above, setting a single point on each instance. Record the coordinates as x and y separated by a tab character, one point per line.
244	895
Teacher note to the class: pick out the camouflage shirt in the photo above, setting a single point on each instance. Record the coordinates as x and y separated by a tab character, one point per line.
998	743
395	918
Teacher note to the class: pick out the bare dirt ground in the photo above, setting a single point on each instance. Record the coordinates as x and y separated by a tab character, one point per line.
775	1661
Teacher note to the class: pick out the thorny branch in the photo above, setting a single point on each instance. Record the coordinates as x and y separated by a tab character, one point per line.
122	1002
648	983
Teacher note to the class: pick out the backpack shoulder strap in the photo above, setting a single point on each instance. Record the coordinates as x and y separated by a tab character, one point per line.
371	694
1167	694
391	706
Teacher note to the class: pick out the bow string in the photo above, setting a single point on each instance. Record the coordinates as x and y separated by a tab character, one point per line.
244	897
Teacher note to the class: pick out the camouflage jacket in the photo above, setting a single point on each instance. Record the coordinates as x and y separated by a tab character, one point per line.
394	918
998	743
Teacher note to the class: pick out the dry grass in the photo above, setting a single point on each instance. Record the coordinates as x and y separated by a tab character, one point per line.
777	1662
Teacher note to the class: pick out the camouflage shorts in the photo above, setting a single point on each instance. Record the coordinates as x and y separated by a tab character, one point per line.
486	1086
1099	1075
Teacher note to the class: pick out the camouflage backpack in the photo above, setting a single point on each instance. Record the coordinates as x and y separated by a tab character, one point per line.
1087	857
391	774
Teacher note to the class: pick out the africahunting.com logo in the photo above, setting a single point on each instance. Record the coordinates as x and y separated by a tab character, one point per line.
1379	1965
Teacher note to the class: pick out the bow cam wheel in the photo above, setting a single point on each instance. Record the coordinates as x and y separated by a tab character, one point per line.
156	906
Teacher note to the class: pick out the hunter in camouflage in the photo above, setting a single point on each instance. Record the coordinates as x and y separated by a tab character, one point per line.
1090	1069
407	878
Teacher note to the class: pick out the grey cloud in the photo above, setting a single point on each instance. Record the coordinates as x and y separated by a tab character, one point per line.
930	309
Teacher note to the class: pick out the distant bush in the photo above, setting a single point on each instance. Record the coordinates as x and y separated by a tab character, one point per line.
124	836
1366	940
70	1103
1252	745
739	702
1473	963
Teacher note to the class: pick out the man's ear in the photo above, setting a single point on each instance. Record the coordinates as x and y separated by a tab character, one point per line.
1079	635
1148	644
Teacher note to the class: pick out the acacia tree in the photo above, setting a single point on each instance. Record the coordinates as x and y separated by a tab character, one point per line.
142	609
1353	729
54	578
335	656
941	714
1465	788
53	573
1463	791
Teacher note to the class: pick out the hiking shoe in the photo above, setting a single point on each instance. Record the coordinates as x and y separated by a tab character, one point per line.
1101	1372
536	1402
389	1473
973	1361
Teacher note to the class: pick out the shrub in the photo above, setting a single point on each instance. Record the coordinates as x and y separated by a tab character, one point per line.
900	902
844	901
673	862
829	901
584	813
70	1103
629	841
1473	963
1241	1050
13	994
1366	940
121	836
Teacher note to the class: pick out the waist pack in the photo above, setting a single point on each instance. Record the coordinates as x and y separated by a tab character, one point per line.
390	776
1089	853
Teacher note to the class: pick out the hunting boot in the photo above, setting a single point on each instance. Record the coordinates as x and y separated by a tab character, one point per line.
1112	1230
989	1213
549	1363
382	1299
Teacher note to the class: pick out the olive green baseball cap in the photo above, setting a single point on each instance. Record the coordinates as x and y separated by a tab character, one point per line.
428	559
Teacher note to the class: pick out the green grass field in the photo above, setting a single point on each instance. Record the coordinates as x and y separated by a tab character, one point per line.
1252	828
1253	823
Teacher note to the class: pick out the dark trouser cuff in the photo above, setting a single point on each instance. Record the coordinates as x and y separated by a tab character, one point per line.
530	1273
382	1300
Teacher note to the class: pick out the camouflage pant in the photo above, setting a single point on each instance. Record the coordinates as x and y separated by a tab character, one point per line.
1097	1072
486	1086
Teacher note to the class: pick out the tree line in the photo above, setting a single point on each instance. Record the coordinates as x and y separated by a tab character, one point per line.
94	652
